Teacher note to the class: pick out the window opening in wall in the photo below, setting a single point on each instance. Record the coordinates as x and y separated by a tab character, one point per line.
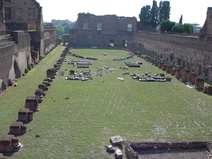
124	43
129	27
85	26
7	13
31	13
99	26
111	43
31	26
19	14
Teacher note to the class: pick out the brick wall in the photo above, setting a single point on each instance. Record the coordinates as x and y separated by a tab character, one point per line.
191	53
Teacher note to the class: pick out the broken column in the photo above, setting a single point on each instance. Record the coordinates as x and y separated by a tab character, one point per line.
43	87
17	128
199	83
39	93
25	115
51	73
185	75
31	103
169	69
192	78
164	67
179	72
9	143
208	90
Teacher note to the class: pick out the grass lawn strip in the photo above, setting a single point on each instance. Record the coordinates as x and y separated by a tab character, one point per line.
80	127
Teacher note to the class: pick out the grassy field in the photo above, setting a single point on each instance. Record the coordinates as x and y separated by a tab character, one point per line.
77	118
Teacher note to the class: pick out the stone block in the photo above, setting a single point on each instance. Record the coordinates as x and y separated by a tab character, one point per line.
46	83
173	72
208	90
48	79
25	115
179	72
199	83
39	93
31	103
118	154
164	67
51	73
43	87
192	78
17	128
8	143
185	75
116	140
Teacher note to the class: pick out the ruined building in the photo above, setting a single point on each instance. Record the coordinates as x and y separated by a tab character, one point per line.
92	30
24	41
192	54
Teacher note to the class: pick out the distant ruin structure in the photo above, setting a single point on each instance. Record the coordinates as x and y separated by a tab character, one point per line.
107	30
24	40
190	54
206	31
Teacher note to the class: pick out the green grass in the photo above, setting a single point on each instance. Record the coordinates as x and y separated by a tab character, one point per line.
77	118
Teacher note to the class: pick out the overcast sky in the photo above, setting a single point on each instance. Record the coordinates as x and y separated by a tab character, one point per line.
193	11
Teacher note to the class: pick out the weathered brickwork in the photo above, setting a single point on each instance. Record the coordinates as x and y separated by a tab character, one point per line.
92	30
29	41
189	53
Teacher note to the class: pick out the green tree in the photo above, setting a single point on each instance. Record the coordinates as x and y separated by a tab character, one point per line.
181	19
166	25
164	11
178	28
187	28
154	14
145	15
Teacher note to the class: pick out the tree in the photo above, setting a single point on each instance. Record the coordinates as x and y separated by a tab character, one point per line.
164	11
178	28
166	25
187	28
145	15
154	14
181	19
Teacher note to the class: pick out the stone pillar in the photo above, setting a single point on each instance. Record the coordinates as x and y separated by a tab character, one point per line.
164	67
8	143
169	69
25	115
208	90
185	75
31	103
192	78
173	72
199	83
17	128
179	72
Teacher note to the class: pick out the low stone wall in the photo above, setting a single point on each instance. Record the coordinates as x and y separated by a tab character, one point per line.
132	149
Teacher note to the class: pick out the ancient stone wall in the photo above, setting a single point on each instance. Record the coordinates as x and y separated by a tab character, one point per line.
92	30
23	57
190	53
15	57
6	61
51	39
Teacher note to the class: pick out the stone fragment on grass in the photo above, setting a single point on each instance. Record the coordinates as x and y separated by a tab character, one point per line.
116	140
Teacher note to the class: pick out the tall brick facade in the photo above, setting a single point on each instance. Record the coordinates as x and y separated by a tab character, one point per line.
26	45
92	30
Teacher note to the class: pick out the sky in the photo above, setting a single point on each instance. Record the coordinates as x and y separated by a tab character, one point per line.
193	11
